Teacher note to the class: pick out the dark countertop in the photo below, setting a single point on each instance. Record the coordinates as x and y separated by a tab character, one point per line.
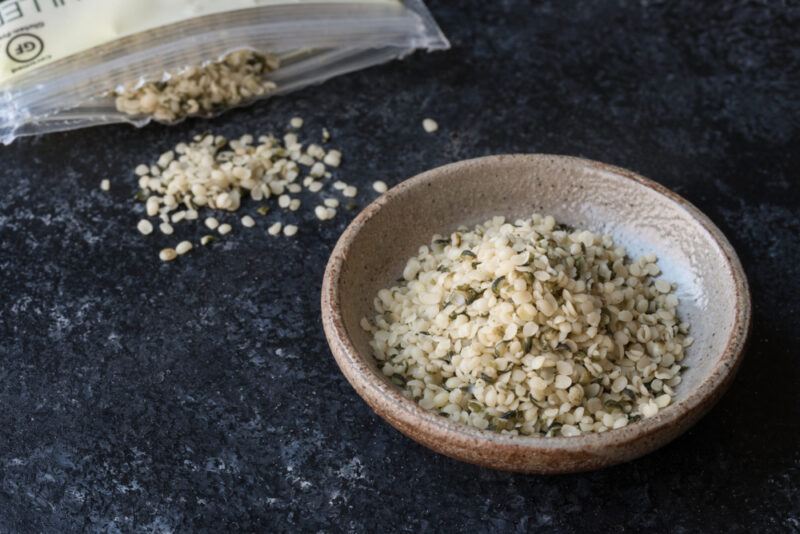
201	396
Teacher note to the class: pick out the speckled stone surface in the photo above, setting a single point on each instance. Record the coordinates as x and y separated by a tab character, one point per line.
200	396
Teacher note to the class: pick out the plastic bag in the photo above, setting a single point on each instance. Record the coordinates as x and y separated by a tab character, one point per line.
67	64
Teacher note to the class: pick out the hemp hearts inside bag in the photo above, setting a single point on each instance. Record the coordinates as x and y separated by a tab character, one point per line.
67	64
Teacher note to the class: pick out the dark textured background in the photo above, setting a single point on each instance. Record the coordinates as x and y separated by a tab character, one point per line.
201	396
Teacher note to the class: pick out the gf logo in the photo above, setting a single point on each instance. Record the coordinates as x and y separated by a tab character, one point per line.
24	47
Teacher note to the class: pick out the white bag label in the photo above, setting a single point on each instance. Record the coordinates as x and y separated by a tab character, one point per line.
34	33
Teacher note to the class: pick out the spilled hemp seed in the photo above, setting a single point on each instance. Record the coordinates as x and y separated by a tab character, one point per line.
214	173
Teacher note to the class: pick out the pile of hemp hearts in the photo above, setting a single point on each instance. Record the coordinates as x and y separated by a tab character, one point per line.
531	328
201	90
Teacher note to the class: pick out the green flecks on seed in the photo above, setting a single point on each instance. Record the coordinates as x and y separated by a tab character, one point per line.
470	295
496	285
474	406
553	429
527	344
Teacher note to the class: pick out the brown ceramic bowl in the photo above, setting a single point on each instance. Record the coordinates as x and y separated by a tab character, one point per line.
640	214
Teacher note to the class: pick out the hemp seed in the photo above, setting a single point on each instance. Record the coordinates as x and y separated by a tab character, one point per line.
145	227
430	125
200	90
167	254
183	247
531	328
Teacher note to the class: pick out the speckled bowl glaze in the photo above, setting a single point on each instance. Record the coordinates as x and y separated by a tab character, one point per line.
639	214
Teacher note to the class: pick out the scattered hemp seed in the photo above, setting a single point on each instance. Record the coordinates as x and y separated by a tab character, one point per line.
321	212
167	254
333	158
326	135
350	191
531	328
296	122
317	170
206	239
151	206
289	230
105	184
380	187
145	227
183	247
430	125
275	229
316	151
200	90
210	173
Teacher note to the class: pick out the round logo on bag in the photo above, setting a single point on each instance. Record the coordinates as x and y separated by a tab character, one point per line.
24	47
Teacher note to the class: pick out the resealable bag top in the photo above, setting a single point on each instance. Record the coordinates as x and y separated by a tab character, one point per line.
67	64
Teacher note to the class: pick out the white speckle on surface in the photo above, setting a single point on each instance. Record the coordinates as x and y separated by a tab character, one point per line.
430	125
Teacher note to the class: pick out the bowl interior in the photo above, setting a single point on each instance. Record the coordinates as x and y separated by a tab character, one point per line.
638	214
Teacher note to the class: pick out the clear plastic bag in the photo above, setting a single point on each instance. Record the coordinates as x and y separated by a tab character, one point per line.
309	41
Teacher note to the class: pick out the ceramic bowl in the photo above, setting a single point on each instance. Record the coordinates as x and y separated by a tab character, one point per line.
640	214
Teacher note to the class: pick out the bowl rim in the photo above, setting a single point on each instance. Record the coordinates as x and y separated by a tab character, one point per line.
368	384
